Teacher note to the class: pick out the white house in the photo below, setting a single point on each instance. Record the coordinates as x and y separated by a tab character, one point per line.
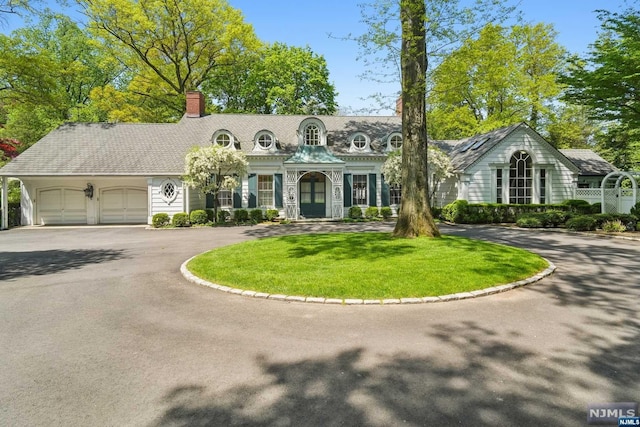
304	166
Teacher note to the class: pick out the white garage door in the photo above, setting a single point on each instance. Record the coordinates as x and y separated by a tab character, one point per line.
123	206
62	206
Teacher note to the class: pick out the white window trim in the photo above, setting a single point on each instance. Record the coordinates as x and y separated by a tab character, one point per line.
389	147
259	147
321	128
367	144
217	134
172	198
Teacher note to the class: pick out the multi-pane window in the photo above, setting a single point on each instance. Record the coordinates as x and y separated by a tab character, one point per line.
395	142
520	178
499	186
359	189
360	141
225	198
543	186
265	190
265	140
312	135
395	194
223	140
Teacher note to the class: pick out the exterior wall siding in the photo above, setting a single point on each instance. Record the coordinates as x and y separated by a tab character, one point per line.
159	205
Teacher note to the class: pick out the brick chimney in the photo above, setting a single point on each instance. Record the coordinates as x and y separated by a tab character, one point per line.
195	104
399	106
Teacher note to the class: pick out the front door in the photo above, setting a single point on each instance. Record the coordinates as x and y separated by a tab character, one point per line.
312	195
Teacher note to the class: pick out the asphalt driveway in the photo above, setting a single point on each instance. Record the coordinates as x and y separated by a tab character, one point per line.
98	328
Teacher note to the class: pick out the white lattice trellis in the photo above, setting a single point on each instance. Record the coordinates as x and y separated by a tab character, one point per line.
293	176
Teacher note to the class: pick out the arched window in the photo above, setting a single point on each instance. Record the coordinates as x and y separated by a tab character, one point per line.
395	142
265	140
312	134
359	142
223	139
520	178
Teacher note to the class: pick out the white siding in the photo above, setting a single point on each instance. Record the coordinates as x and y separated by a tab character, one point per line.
159	205
197	199
447	191
560	177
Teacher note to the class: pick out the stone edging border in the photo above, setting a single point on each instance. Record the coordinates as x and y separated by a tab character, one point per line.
352	301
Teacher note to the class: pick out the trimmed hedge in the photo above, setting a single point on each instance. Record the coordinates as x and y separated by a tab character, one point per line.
180	219
371	212
255	215
198	216
355	212
272	214
582	223
223	216
160	220
386	212
240	215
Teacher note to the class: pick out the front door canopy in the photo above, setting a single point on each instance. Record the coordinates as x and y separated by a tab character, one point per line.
313	154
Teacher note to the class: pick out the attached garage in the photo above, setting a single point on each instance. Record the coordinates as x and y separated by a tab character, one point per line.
62	206
123	205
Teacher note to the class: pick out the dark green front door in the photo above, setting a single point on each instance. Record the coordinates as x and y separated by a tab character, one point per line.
312	195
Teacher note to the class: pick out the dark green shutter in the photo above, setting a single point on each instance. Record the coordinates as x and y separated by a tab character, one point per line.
277	178
385	192
348	180
253	190
237	196
373	197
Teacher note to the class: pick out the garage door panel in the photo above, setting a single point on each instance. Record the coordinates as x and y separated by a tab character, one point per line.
62	206
123	205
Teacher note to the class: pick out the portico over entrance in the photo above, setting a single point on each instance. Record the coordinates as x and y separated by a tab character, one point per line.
313	184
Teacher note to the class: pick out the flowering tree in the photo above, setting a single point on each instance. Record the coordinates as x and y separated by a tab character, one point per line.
212	169
438	169
9	148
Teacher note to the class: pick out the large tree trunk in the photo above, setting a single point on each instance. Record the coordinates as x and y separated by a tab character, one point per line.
414	217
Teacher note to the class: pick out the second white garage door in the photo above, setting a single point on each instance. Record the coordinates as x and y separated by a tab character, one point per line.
123	206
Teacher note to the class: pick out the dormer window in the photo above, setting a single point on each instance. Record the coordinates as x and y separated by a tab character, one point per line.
395	142
265	140
312	132
359	142
312	135
223	139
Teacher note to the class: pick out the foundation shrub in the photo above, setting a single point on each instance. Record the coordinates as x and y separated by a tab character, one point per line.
160	220
199	217
180	219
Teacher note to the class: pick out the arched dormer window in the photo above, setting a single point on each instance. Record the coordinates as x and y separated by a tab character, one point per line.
312	132
394	142
359	142
223	138
265	140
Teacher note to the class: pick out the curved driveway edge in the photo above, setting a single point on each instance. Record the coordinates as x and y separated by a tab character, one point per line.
353	301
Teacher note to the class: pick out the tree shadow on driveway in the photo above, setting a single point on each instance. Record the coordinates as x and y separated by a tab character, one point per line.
38	263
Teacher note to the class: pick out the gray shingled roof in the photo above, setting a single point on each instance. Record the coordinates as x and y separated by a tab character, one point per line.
159	149
589	162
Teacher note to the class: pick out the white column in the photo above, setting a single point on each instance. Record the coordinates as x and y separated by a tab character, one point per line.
4	222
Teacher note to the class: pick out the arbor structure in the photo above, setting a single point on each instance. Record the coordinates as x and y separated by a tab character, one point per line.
414	217
212	169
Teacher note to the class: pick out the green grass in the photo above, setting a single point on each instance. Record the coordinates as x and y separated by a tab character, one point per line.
365	265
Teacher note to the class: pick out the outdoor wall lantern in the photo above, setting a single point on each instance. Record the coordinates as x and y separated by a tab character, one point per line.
89	190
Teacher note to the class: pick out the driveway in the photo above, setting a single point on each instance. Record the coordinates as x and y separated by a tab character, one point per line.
98	328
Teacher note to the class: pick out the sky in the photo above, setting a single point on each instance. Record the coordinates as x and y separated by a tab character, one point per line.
322	25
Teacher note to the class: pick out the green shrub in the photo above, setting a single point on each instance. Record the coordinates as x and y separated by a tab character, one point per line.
576	205
240	215
635	210
355	212
554	218
371	212
386	212
614	226
530	221
629	221
256	215
160	220
456	211
223	216
209	214
436	212
180	219
596	208
198	216
272	214
582	223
